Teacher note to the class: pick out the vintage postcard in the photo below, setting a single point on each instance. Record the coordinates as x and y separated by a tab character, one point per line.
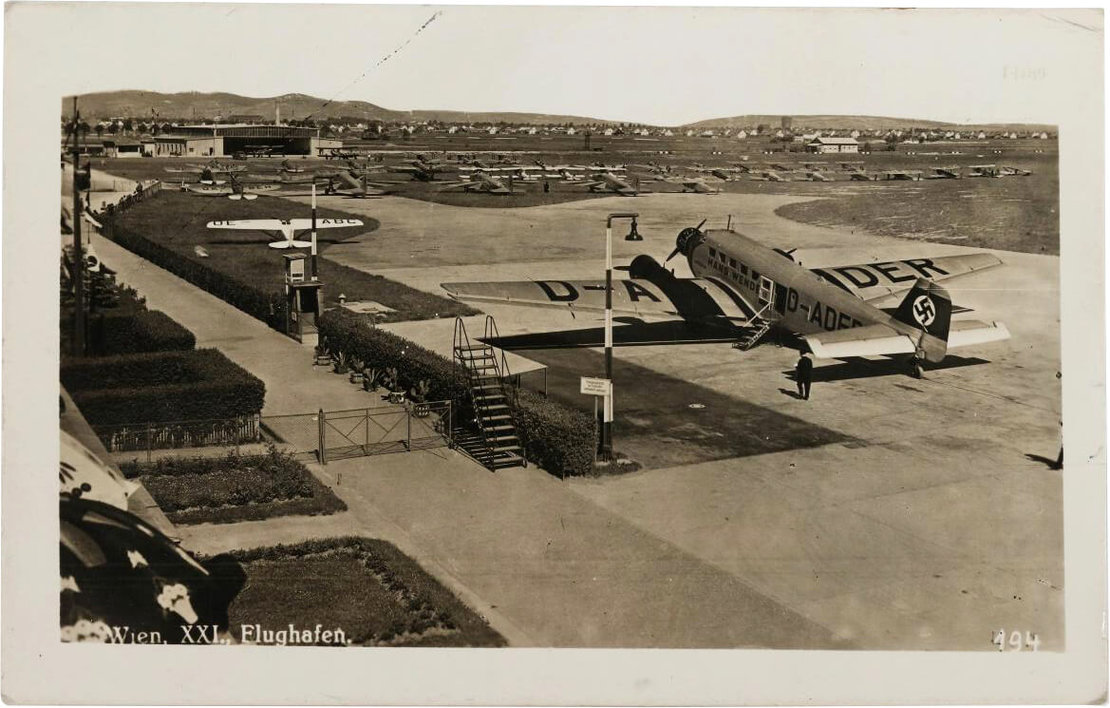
553	355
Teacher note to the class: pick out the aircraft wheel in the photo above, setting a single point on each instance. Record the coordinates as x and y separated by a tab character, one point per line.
918	370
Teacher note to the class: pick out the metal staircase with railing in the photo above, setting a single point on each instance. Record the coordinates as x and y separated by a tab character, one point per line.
758	326
494	442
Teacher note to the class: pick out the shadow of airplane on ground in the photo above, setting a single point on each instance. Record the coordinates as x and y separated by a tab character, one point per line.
866	368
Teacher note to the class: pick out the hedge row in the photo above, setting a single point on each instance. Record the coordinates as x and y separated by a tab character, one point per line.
162	387
112	333
344	331
560	439
266	306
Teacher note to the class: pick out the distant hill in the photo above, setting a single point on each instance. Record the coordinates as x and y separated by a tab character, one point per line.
187	105
139	104
868	123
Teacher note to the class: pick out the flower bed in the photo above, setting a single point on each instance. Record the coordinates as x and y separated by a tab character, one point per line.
193	490
377	595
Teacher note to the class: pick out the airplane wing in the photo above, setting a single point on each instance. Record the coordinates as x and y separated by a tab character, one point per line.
872	340
302	224
692	299
249	224
872	281
879	339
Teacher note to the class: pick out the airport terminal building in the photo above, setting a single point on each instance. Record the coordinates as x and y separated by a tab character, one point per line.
226	140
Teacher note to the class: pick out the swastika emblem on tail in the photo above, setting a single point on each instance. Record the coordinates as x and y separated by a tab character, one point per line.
924	311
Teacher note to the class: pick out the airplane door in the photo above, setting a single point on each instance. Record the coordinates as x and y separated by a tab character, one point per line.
766	291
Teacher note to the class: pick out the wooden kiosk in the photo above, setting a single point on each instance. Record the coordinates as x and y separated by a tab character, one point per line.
303	298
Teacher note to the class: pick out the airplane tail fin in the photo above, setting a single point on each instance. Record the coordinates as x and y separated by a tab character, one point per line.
928	308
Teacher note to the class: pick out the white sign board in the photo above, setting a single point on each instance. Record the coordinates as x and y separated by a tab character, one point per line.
595	387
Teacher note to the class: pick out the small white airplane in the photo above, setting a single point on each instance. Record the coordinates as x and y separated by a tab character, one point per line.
480	181
696	185
742	289
288	228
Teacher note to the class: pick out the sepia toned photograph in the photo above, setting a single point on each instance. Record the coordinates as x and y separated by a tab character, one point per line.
407	327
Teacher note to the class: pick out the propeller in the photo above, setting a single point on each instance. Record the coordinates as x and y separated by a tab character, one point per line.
684	237
789	254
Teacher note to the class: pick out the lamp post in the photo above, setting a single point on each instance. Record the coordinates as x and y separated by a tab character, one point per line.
607	409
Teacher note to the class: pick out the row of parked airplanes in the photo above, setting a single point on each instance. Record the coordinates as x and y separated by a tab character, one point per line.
507	178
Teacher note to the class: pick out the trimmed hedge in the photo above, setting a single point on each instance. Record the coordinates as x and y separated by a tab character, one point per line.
346	331
266	306
114	333
162	387
556	437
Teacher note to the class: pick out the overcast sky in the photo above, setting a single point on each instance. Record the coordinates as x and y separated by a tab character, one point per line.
654	65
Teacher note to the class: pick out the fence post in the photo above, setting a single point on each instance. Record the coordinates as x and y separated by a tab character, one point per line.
320	435
149	440
238	430
450	425
408	426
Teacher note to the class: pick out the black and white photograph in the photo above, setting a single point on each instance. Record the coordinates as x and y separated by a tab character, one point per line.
409	328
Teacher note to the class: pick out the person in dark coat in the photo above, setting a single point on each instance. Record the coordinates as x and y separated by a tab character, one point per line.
803	374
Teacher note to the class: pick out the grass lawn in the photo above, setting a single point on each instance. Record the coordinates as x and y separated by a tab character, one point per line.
179	220
196	490
377	595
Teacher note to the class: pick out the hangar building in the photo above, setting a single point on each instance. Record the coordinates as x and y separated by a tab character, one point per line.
226	140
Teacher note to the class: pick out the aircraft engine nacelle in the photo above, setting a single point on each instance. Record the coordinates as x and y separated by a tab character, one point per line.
647	268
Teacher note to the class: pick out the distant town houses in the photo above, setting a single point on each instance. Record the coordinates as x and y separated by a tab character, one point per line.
348	128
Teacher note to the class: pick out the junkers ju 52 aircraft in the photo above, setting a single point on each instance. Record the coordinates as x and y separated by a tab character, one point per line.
745	289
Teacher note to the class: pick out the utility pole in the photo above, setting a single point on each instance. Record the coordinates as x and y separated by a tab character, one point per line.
78	252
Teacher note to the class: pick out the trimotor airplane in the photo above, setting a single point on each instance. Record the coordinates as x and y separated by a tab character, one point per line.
1015	172
480	182
288	228
743	289
858	175
817	176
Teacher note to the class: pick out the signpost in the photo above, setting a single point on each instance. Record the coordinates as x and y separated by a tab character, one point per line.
596	387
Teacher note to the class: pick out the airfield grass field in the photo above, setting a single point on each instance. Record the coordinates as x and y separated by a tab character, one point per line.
177	220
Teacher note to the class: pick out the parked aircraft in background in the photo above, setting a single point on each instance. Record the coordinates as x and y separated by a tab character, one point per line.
945	173
606	181
354	187
745	288
480	181
693	184
419	169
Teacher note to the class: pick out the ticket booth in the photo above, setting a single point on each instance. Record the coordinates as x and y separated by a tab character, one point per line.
303	298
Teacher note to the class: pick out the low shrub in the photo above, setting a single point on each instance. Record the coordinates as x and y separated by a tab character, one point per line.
558	438
112	333
162	387
233	488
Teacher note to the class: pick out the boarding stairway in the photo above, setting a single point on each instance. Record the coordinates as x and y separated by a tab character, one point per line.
494	442
758	325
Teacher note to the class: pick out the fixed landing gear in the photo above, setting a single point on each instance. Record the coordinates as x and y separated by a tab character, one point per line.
917	369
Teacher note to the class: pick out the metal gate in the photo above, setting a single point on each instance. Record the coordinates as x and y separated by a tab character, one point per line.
375	431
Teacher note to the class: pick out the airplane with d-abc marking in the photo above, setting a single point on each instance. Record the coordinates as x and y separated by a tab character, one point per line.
745	289
288	228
